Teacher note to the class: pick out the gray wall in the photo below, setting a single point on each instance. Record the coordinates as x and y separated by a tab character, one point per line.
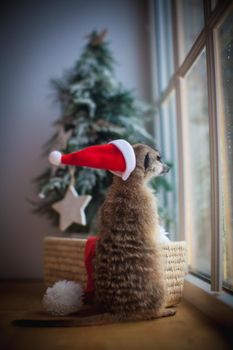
39	40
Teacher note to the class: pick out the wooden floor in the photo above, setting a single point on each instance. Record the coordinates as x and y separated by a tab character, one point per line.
189	329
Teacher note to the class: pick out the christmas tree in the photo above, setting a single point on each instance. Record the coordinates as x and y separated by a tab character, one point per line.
95	109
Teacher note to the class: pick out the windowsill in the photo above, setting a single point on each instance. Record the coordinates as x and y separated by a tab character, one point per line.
187	330
217	305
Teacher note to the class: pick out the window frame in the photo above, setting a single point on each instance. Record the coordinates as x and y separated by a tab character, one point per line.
206	39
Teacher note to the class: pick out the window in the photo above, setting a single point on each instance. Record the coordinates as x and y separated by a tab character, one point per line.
191	22
166	127
193	57
167	143
163	37
224	56
197	165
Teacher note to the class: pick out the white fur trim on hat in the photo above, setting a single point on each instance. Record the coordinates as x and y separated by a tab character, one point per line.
55	157
129	155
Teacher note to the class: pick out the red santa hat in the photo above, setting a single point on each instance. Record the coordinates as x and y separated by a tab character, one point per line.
117	156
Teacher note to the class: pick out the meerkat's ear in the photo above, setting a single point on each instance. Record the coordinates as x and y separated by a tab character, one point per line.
146	161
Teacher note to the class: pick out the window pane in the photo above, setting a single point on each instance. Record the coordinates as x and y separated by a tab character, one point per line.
191	22
198	165
168	147
225	79
164	43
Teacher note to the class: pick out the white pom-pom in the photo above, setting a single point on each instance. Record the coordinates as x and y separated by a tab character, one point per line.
55	157
63	298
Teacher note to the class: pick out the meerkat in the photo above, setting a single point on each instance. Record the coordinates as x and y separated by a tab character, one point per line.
129	282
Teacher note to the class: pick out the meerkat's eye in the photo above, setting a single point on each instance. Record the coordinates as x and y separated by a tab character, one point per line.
146	161
158	158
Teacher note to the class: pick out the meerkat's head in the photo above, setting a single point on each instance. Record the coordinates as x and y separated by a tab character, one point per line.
148	163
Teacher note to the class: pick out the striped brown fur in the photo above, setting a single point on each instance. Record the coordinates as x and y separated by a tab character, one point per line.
128	274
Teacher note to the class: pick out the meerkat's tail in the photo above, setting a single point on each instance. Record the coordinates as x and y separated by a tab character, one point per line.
95	320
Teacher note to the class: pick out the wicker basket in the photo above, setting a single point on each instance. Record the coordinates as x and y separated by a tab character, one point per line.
64	259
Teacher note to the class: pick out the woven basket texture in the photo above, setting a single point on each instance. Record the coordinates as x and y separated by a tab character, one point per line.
64	259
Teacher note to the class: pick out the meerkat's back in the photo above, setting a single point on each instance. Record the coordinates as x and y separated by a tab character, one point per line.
127	266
